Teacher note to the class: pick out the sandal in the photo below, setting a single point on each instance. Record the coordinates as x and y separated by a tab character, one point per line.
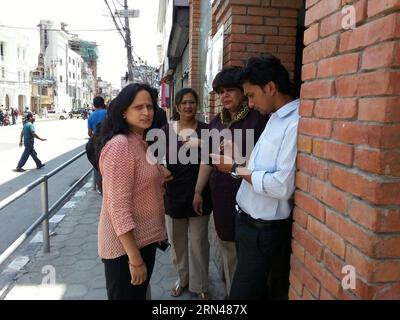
177	290
202	296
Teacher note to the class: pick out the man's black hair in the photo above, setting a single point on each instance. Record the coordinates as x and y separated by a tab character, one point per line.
228	77
265	68
98	102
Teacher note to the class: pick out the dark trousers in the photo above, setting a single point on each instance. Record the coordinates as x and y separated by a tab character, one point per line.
262	271
29	151
118	276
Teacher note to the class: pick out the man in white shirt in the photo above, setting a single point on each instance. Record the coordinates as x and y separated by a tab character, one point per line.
264	199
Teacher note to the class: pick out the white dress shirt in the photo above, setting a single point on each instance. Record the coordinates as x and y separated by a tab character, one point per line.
272	163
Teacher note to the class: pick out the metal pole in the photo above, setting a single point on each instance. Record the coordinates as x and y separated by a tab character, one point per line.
128	43
45	212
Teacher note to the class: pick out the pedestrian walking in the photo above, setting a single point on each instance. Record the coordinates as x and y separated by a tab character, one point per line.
264	199
28	135
132	215
236	116
187	230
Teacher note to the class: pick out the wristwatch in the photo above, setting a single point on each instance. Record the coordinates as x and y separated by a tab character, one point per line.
233	170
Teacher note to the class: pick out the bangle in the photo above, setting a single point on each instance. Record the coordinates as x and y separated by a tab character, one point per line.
135	265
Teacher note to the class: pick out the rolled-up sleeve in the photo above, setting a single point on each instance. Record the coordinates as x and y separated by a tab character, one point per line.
118	172
280	183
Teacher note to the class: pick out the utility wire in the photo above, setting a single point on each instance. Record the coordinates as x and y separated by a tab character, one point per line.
115	22
52	29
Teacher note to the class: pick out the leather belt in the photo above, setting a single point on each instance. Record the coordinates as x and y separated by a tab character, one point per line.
259	223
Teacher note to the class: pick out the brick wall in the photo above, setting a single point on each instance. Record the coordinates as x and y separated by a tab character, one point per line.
194	48
252	27
348	198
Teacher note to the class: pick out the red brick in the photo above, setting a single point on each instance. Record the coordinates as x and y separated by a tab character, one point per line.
264	30
334	287
310	205
287	31
321	49
378	161
312	166
358	133
234	9
380	56
311	34
293	295
391	136
236	28
262	11
336	108
317	89
296	284
375	191
300	217
245	19
280	22
316	268
280	40
306	278
329	195
307	241
310	3
379	7
331	150
384	109
368	84
296	4
329	238
286	49
325	295
307	295
389	292
321	10
261	48
375	218
306	108
343	64
238	47
298	250
376	270
371	33
308	71
315	127
288	13
304	143
244	38
246	2
333	23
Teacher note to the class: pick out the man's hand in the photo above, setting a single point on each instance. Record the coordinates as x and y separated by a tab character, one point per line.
43	139
223	163
20	143
166	174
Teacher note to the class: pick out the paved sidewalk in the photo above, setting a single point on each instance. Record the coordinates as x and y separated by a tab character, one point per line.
73	270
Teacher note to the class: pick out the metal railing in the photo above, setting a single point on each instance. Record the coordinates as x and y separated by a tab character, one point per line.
47	212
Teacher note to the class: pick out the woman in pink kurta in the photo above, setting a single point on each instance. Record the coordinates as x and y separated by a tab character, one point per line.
132	215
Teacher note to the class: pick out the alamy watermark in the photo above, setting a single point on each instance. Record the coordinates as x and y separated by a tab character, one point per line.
49	277
349	280
349	17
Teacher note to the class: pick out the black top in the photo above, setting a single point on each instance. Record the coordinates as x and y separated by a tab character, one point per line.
179	192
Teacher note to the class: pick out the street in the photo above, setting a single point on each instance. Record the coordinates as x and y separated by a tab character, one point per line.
65	139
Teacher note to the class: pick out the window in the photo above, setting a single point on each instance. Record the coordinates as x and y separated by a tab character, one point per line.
19	76
18	53
60	78
44	91
60	62
73	75
3	72
78	64
24	76
73	61
69	59
69	74
79	77
23	54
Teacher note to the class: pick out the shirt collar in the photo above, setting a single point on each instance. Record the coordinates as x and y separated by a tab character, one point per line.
287	108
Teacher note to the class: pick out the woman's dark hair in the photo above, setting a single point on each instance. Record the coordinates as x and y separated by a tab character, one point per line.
265	68
114	123
179	97
228	77
181	93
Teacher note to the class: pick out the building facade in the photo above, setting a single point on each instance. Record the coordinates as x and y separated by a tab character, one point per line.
343	57
15	88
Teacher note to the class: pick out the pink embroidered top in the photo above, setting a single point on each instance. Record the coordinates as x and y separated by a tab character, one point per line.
132	196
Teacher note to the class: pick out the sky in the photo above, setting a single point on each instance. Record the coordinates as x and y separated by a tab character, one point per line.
89	14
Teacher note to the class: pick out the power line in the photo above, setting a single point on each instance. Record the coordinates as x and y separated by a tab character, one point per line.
115	21
53	29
